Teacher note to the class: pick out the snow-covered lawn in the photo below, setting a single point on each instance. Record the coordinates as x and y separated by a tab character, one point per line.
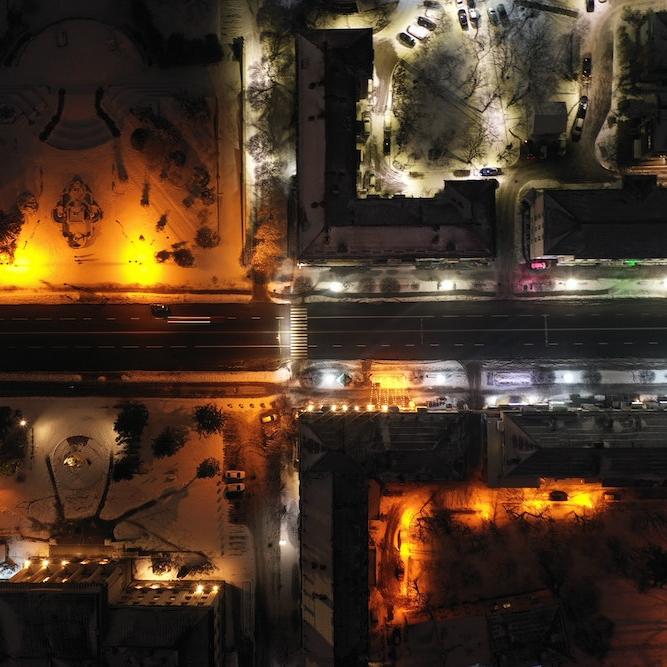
163	509
133	189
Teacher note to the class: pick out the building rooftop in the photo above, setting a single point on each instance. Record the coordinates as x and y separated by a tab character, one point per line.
609	446
618	223
333	69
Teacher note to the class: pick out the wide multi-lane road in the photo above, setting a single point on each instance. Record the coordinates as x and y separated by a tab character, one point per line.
100	338
127	337
488	330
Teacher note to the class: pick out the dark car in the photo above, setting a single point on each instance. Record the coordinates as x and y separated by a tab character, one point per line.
577	128
434	4
611	496
558	496
583	106
493	16
502	13
471	4
426	23
586	67
160	310
386	141
590	5
489	171
406	40
463	18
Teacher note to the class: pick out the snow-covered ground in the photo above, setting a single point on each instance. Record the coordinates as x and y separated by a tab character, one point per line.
79	56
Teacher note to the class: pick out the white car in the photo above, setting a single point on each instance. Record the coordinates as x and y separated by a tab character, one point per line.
417	31
234	489
232	475
474	15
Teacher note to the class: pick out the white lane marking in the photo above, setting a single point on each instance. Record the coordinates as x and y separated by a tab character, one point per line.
528	344
67	319
435	344
577	343
409	345
553	344
479	344
109	318
154	347
499	315
130	347
134	318
458	344
87	319
360	345
279	317
230	317
255	317
178	347
336	345
653	342
385	344
602	342
43	319
20	319
106	347
627	342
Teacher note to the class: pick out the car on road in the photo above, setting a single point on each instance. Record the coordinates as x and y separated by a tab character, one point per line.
587	66
558	496
406	40
427	23
502	13
366	120
583	106
160	310
493	16
611	496
234	490
590	5
463	18
418	32
577	128
234	475
371	181
490	171
267	419
386	141
474	16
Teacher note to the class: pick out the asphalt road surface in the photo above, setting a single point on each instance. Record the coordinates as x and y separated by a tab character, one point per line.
112	338
489	330
124	337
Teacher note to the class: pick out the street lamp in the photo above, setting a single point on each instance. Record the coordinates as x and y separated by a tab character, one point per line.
23	423
336	287
571	284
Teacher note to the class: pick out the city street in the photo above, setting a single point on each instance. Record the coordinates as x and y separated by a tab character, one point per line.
488	330
121	337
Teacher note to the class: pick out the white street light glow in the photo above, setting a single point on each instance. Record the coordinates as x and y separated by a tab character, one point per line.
571	284
446	285
336	286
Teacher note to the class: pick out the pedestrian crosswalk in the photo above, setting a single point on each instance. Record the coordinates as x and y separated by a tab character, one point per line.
298	332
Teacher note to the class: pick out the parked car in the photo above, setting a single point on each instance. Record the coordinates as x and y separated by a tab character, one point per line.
577	128
234	489
493	16
474	16
160	310
463	18
587	66
371	181
590	5
267	419
558	496
418	32
431	3
611	496
406	40
583	106
489	171
502	13
427	23
366	120
233	475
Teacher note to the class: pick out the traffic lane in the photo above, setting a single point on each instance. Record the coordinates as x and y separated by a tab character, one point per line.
150	351
485	344
59	319
562	308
